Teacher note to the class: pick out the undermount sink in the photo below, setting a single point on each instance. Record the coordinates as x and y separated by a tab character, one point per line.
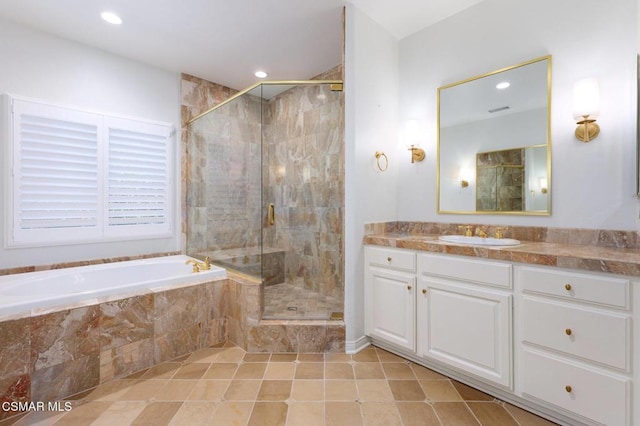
479	241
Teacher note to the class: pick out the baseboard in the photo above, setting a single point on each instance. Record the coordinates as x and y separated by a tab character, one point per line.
355	346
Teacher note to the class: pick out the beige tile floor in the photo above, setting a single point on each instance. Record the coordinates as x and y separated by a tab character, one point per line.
228	386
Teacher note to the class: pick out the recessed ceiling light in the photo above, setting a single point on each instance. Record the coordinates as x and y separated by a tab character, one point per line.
111	18
260	74
503	85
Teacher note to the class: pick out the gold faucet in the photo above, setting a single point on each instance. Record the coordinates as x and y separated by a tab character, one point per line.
498	232
199	266
481	233
468	230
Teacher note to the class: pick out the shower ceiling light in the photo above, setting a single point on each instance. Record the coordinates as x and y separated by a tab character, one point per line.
111	18
260	74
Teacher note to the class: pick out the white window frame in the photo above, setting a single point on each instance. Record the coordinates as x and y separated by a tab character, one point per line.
16	237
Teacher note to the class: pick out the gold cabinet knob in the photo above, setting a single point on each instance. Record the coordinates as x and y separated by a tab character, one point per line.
424	291
389	259
568	332
568	389
409	287
567	287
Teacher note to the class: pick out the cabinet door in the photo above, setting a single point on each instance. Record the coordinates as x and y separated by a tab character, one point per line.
467	327
390	307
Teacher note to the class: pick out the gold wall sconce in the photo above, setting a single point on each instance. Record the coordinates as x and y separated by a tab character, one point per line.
413	134
465	177
543	185
417	154
586	107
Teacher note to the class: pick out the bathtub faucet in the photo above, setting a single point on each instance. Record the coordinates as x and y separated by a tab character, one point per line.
199	266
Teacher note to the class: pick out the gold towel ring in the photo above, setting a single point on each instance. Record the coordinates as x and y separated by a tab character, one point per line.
379	155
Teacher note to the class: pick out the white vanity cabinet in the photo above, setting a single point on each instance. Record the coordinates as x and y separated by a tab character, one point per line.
390	296
464	311
554	340
575	342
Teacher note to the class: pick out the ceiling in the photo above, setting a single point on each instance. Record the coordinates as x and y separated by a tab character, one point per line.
224	41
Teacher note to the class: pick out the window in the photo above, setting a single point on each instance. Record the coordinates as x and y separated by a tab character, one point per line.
80	176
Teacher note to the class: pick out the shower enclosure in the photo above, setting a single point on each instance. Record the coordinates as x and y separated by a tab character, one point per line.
265	193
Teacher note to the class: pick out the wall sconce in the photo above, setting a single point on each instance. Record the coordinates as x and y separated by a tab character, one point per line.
543	185
586	107
412	134
417	154
465	177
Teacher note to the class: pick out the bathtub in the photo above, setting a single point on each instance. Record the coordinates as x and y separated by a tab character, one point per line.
35	293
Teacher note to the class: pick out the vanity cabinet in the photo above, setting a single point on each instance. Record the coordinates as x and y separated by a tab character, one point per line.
464	315
575	342
555	340
390	296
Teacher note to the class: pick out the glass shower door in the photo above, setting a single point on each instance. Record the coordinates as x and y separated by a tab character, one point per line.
303	187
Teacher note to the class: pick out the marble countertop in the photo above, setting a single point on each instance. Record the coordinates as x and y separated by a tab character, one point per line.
623	261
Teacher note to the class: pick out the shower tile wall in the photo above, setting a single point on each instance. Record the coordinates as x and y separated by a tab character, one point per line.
197	96
223	160
500	180
304	178
303	174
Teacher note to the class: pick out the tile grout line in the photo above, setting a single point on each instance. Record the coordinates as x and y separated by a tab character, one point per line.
187	366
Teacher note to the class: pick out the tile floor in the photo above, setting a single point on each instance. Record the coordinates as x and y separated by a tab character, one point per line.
279	298
227	386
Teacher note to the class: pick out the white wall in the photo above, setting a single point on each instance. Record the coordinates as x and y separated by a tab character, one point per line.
41	66
371	108
593	185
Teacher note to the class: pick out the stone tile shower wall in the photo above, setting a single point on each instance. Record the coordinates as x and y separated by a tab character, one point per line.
223	208
500	180
303	175
304	178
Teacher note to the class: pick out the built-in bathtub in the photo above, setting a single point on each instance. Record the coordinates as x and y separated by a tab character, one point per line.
35	293
64	331
138	314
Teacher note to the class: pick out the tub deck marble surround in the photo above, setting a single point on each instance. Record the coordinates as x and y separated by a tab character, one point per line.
615	252
49	357
37	268
225	385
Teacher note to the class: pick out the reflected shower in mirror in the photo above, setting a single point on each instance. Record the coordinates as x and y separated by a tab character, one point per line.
495	128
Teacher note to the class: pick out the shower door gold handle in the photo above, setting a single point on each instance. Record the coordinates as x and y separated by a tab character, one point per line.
272	214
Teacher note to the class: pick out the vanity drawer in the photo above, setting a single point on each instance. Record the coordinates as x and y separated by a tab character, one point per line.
608	291
594	335
400	260
593	394
479	271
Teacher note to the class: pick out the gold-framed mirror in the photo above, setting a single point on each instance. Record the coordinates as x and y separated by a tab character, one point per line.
494	142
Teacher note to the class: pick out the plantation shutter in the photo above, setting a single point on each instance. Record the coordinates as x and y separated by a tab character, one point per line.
138	176
78	176
56	173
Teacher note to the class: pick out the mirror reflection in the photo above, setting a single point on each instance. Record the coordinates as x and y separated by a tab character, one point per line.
493	142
